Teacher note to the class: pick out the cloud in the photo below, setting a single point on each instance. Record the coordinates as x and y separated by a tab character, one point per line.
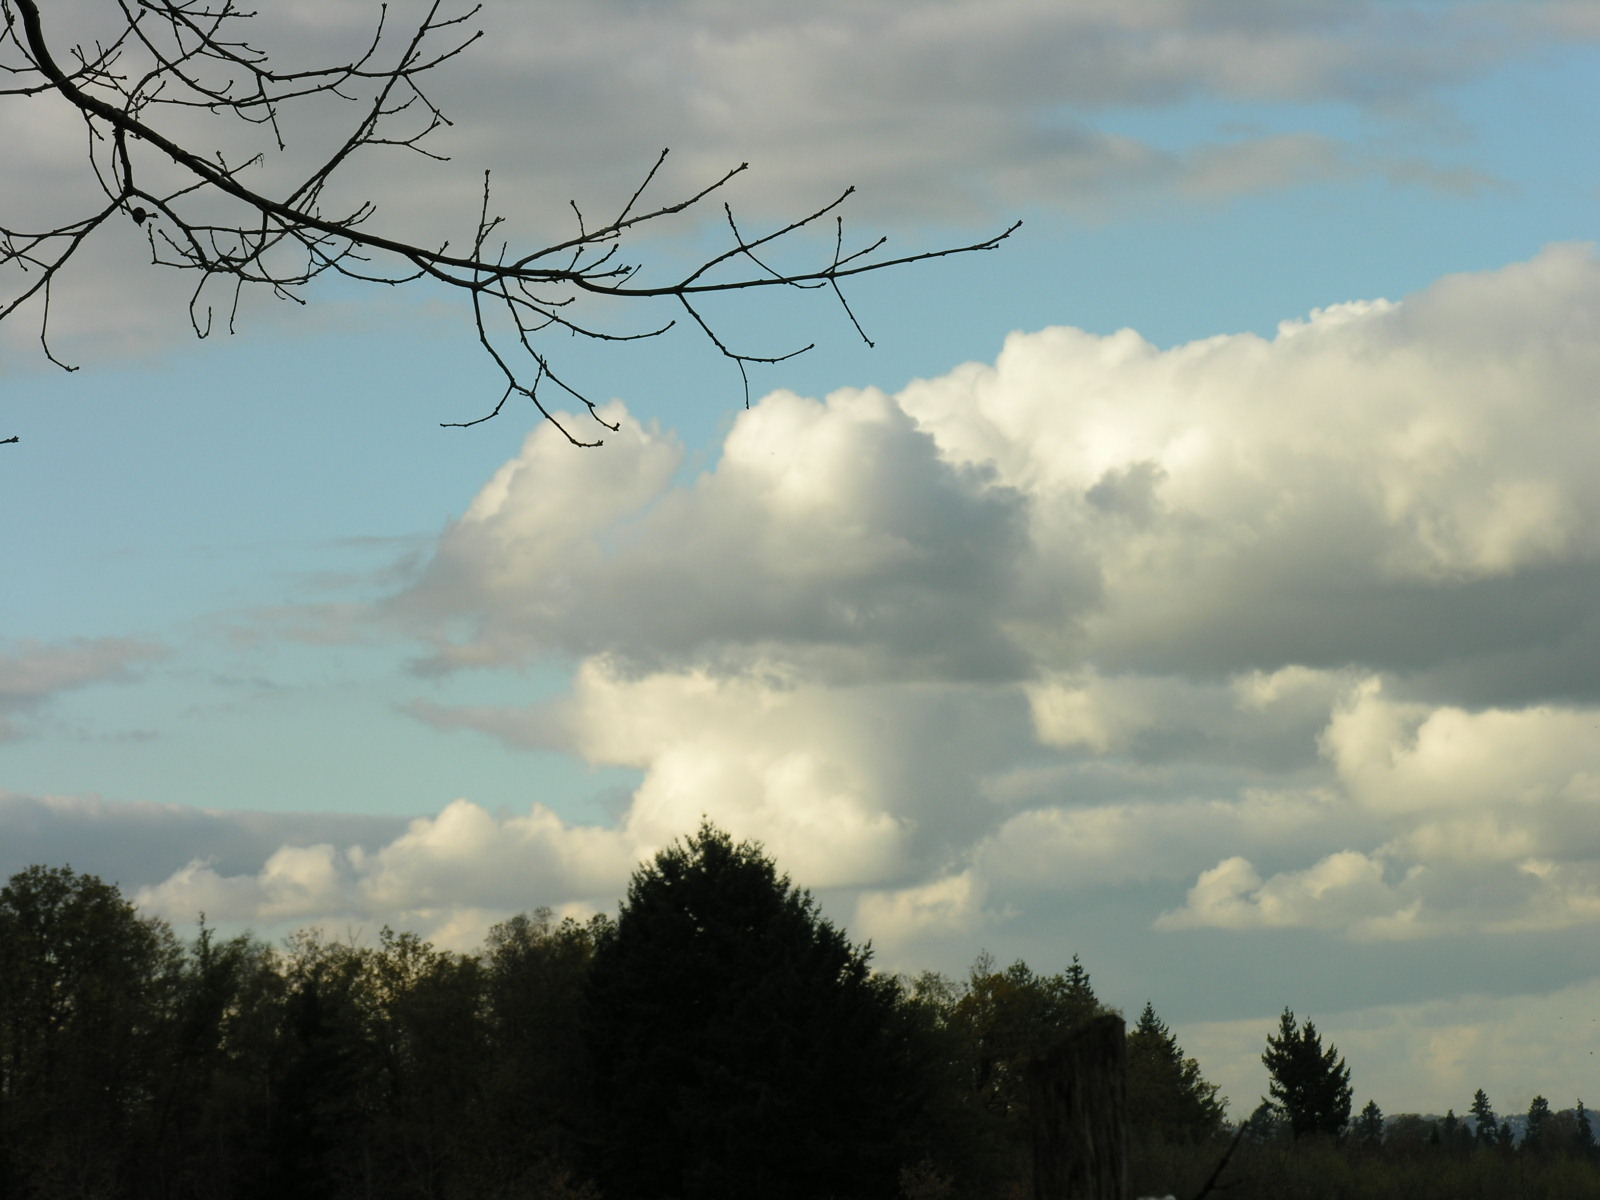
450	876
1490	819
32	673
1346	890
830	531
138	844
1391	486
956	108
1286	624
1165	656
945	907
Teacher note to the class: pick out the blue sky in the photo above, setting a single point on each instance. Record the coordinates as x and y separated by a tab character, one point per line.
1201	583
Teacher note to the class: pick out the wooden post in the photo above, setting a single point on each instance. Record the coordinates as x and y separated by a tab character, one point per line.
1078	1092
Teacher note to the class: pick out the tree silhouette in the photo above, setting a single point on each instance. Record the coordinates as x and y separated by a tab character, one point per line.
1486	1132
741	1045
84	986
1368	1127
1166	1093
179	64
1309	1084
1535	1134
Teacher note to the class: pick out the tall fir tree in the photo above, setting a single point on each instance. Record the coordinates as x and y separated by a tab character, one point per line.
1310	1085
1167	1096
1487	1132
1585	1131
1368	1127
1535	1135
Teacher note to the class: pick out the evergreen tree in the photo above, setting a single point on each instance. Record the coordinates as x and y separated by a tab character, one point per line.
1585	1131
1486	1131
1267	1123
742	1046
1309	1084
1453	1134
1368	1127
1073	985
1167	1096
1534	1134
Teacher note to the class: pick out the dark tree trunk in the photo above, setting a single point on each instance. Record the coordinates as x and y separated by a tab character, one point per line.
1079	1094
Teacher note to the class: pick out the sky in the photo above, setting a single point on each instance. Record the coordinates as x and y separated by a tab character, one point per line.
1206	582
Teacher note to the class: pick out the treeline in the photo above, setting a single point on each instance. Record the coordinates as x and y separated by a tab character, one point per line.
717	1038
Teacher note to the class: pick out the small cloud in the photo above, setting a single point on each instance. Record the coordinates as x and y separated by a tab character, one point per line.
33	673
1346	891
947	907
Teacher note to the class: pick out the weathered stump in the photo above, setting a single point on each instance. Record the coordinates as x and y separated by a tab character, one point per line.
1079	1095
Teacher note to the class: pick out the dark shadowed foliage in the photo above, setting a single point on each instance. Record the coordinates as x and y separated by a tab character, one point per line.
719	1040
1167	1095
1309	1085
741	1045
536	973
85	984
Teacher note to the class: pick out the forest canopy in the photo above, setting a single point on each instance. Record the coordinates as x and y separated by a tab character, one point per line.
718	1035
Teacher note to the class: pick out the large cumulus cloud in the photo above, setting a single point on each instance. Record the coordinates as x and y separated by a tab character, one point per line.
1398	487
1284	627
1245	651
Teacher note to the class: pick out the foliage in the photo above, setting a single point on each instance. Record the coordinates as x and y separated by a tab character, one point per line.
84	985
1368	1127
995	1022
1536	1133
1310	1085
1167	1096
740	1042
133	1065
1486	1131
538	1079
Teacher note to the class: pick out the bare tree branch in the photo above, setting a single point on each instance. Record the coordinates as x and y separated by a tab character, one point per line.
188	55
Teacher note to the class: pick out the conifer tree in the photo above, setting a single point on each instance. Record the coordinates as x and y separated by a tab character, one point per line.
1487	1131
1167	1095
1309	1084
1368	1127
1534	1134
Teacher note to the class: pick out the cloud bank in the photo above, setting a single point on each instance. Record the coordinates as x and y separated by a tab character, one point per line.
1247	651
1294	632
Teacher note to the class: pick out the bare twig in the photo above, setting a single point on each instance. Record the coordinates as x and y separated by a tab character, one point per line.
188	55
